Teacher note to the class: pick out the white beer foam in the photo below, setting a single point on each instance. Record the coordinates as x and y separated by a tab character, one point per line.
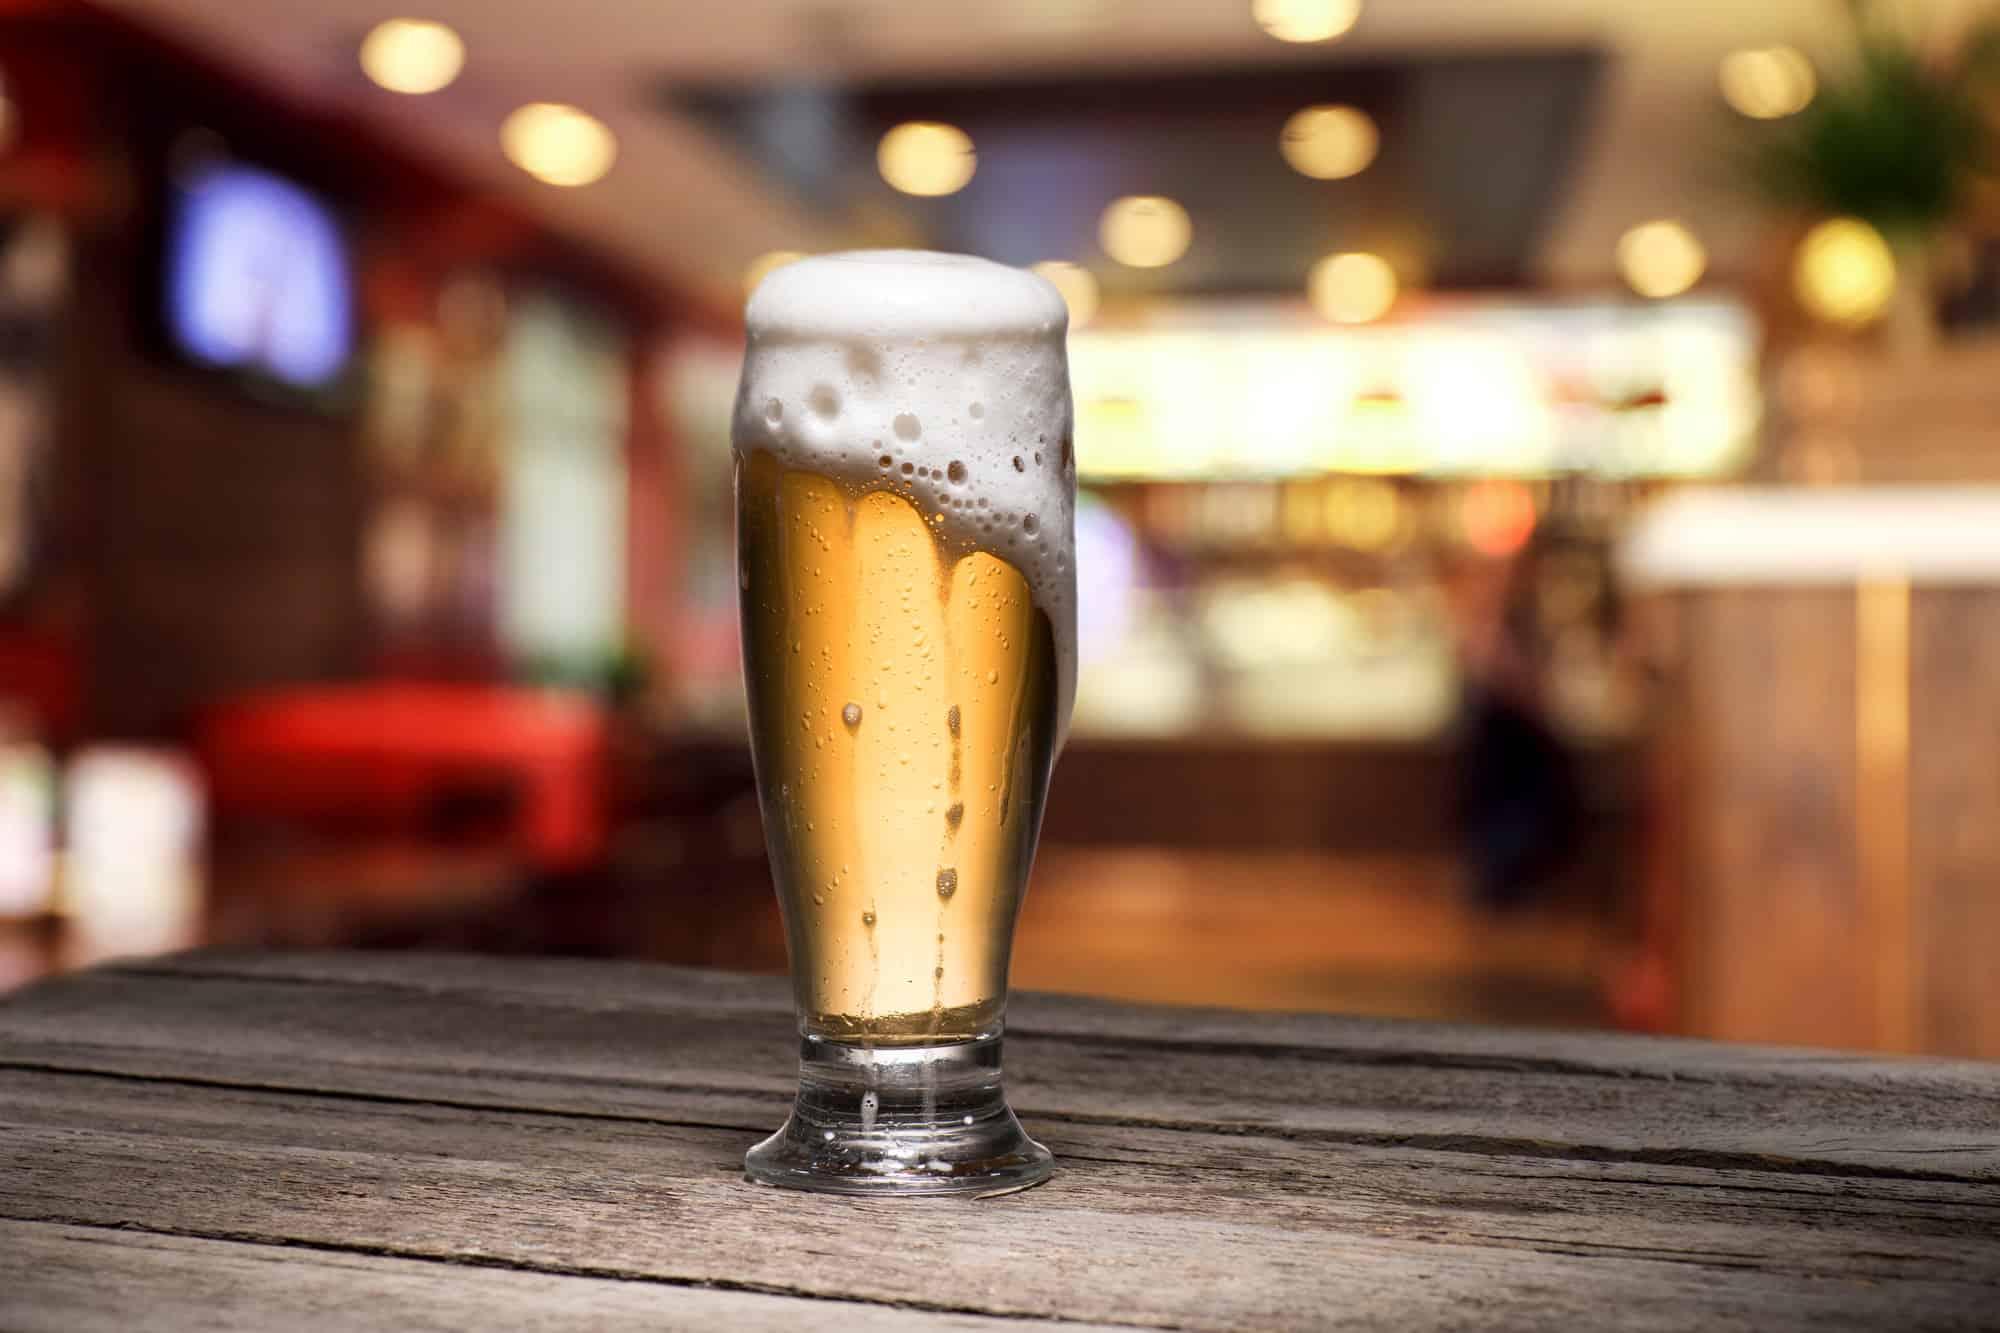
950	368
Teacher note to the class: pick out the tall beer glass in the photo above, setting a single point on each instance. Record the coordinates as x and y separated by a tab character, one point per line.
905	496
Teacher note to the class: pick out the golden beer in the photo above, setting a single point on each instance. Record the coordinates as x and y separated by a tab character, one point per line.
903	713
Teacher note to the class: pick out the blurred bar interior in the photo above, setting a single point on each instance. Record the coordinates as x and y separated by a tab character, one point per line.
1540	542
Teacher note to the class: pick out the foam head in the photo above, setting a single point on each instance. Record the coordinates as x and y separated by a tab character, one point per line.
942	375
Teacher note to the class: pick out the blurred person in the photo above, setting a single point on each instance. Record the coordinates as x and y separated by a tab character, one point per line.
1519	807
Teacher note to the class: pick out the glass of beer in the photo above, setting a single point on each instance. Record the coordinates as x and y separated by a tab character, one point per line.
905	495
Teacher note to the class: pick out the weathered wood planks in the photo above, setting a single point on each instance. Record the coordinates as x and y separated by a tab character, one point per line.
437	1137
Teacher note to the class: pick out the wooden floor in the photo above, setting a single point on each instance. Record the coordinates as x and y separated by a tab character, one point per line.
1388	935
1385	935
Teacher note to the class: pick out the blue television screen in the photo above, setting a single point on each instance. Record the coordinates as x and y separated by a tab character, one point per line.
257	278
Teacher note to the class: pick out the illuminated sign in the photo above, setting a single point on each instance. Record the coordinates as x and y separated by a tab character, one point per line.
1668	390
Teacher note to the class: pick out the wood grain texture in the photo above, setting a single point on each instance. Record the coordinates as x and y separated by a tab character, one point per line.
1837	851
1778	928
351	1141
1955	817
87	1279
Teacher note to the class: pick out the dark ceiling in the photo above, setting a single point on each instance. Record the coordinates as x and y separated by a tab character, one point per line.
1475	153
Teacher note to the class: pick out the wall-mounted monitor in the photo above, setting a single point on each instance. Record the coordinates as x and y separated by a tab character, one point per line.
257	279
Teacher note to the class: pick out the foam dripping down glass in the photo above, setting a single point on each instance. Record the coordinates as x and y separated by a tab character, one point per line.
905	493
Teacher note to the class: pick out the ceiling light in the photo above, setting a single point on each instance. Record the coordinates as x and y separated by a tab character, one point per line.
1352	288
557	143
927	158
1078	286
1660	259
1145	230
1845	272
1305	20
766	264
1768	82
412	55
1329	142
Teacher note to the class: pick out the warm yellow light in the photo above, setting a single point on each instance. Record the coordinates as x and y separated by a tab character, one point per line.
1352	288
1364	513
926	157
412	55
1768	82
1329	142
1305	20
765	264
1145	230
1660	259
1078	286
1845	273
558	143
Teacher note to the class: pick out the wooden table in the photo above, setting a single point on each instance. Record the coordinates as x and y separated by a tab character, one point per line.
370	1141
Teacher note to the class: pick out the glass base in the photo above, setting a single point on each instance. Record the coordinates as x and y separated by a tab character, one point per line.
900	1120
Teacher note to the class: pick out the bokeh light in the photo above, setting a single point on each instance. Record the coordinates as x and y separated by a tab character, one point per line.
558	144
1365	513
1496	516
412	55
1768	82
1660	259
1845	272
1329	142
1145	231
1305	20
766	264
926	158
1078	286
1352	288
1108	569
